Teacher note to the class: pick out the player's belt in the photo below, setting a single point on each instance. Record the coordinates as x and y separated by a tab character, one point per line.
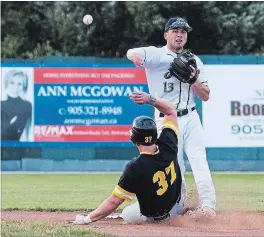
161	218
181	112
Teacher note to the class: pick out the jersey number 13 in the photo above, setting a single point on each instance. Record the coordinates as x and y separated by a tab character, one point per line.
160	177
168	86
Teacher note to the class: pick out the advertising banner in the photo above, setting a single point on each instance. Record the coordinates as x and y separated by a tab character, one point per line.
234	114
85	104
17	104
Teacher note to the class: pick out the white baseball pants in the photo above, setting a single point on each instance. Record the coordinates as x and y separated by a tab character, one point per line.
191	141
131	214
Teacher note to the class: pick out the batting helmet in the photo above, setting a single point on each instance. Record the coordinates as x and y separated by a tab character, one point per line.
177	22
144	131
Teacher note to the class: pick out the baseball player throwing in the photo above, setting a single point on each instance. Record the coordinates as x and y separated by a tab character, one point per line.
154	177
177	76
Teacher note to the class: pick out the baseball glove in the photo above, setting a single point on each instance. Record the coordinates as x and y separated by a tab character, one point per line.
180	67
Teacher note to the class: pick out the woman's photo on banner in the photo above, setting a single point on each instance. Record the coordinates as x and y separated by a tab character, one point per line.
17	104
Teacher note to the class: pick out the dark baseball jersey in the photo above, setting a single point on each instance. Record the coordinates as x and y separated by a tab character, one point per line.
154	178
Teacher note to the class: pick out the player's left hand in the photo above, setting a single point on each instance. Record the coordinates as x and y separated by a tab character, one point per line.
183	67
79	220
194	72
140	98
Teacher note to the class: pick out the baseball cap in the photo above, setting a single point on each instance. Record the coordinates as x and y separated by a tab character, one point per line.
177	22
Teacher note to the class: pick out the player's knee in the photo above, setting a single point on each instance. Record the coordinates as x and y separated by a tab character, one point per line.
131	215
177	208
184	190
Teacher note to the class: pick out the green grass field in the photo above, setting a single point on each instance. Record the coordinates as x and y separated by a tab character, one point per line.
68	192
44	228
87	191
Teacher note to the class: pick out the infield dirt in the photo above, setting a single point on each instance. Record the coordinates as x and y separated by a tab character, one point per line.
226	224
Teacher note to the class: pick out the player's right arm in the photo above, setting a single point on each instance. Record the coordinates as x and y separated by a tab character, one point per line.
169	134
124	190
163	106
147	57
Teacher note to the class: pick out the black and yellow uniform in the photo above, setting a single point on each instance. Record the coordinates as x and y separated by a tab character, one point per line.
154	178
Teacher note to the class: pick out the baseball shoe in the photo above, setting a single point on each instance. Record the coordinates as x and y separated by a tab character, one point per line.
202	213
79	220
114	216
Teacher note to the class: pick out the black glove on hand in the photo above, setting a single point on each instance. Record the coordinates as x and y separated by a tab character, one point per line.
181	67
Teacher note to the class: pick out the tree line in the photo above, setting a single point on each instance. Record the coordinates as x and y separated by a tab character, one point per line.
37	29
